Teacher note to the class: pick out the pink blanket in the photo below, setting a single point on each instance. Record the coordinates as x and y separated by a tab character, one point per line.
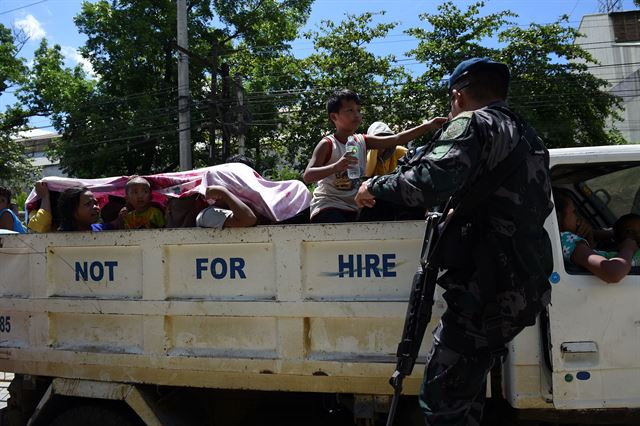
275	200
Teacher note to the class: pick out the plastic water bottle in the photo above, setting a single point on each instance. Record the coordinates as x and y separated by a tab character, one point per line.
353	172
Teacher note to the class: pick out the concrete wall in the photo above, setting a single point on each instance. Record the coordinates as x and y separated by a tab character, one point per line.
619	64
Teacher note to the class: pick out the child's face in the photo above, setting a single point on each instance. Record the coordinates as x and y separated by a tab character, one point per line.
4	203
139	196
348	118
88	211
569	219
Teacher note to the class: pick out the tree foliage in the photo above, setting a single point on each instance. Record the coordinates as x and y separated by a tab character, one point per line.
15	167
124	120
341	59
451	36
567	105
127	118
550	85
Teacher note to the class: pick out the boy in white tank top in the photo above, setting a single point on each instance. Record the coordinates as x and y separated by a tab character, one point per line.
333	198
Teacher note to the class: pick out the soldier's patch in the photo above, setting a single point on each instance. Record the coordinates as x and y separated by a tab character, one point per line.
456	127
441	149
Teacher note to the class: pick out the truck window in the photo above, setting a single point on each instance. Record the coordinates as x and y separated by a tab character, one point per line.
601	192
618	191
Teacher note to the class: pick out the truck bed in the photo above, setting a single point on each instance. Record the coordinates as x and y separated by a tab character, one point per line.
294	308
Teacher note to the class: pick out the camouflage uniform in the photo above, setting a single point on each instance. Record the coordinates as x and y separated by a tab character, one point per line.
508	226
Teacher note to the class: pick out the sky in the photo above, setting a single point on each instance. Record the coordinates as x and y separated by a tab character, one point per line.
53	20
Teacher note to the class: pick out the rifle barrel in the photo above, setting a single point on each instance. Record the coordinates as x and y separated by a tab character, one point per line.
397	390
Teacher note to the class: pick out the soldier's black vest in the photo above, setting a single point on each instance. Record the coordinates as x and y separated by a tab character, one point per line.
500	238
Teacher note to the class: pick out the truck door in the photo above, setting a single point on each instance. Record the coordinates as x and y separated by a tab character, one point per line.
595	326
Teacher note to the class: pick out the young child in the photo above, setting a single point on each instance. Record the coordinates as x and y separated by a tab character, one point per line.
79	211
8	219
381	162
236	213
334	197
41	220
144	215
610	267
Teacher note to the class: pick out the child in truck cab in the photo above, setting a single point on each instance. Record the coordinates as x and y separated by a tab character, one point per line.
79	211
627	226
611	267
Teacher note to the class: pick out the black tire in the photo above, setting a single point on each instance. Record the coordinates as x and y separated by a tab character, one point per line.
94	415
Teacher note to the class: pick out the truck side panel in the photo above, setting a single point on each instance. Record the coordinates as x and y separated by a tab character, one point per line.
272	308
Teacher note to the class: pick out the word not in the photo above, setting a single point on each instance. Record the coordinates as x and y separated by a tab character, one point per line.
5	324
96	270
221	268
367	265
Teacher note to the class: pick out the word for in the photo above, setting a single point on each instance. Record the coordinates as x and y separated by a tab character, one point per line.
367	265
5	324
221	268
95	271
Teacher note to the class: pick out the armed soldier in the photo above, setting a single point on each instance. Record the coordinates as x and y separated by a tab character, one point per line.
494	172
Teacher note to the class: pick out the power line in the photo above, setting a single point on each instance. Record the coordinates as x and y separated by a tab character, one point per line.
122	125
233	50
22	7
574	8
273	93
271	96
286	96
540	101
148	136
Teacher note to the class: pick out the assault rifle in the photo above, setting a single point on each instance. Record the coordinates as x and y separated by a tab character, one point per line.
419	309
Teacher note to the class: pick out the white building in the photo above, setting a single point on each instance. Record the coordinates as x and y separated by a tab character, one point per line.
614	41
36	143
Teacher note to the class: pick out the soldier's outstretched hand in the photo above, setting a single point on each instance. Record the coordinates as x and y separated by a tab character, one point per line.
364	197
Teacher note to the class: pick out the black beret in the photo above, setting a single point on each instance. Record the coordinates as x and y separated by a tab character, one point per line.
468	67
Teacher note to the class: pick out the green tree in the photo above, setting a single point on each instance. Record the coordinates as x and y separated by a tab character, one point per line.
15	167
550	85
128	120
271	74
55	90
560	98
51	88
454	35
127	117
270	92
342	60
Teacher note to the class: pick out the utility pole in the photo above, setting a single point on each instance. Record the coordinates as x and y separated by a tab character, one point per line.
213	105
609	6
241	128
184	101
227	119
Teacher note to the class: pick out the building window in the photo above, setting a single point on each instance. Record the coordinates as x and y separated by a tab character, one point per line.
626	26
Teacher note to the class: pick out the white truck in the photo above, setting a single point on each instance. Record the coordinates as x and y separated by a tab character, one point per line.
199	326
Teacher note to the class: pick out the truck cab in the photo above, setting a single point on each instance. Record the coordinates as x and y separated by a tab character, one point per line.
589	350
